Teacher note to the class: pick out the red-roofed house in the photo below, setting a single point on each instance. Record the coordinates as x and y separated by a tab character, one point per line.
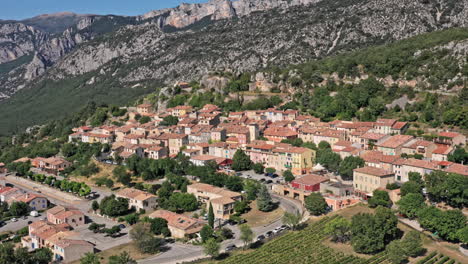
301	187
138	199
181	226
451	138
403	167
394	144
65	215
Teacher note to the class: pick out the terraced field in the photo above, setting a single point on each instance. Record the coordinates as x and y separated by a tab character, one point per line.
302	247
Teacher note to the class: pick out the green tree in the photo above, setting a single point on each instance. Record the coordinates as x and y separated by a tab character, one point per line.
410	187
241	161
328	159
19	208
90	258
410	204
122	176
288	176
123	258
246	234
186	202
292	220
95	205
206	233
169	121
316	204
380	198
264	201
211	216
211	248
159	226
144	119
270	170
258	168
340	229
251	189
241	207
42	256
144	239
348	165
398	251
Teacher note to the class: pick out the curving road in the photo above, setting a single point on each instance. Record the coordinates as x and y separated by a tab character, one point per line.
179	252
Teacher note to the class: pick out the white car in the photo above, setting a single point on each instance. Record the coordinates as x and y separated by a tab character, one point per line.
14	220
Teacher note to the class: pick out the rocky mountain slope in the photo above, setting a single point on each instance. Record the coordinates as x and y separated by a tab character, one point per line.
115	57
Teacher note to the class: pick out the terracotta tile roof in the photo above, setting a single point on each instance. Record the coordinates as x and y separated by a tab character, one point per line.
144	105
373	171
418	163
442	149
458	168
64	243
135	194
449	134
395	141
419	143
279	132
385	122
373	136
399	125
213	189
167	136
204	157
222	200
28	197
178	220
310	179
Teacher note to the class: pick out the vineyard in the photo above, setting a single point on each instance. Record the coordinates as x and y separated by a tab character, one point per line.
434	258
302	247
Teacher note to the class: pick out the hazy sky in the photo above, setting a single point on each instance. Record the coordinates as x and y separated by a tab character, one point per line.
20	9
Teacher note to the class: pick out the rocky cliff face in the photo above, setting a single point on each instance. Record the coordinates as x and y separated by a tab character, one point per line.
276	37
242	35
187	14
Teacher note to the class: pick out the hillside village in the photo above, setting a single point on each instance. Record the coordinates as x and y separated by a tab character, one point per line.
285	144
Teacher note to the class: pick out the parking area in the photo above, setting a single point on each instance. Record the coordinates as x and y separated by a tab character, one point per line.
264	178
12	225
101	240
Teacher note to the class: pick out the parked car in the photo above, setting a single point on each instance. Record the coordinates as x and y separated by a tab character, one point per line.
277	230
122	226
25	217
2	223
14	219
34	213
262	179
260	237
231	247
29	222
269	233
269	181
274	175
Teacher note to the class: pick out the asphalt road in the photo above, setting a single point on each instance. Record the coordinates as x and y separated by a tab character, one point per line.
179	252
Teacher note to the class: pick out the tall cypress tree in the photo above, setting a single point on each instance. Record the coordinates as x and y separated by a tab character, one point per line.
211	216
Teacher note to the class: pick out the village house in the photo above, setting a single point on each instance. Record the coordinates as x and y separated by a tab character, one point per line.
222	150
394	144
6	193
221	199
65	215
180	225
180	110
66	246
52	165
390	127
156	152
441	152
402	167
203	160
34	201
173	141
369	140
277	134
140	200
301	187
144	108
367	179
419	147
451	138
